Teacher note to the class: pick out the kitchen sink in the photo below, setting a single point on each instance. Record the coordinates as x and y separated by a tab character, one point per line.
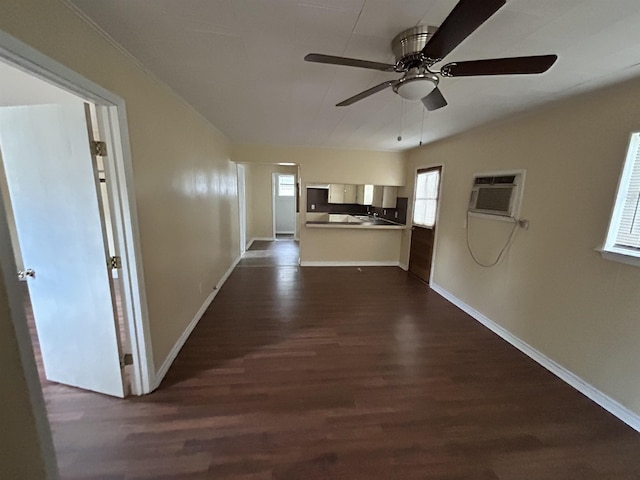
343	218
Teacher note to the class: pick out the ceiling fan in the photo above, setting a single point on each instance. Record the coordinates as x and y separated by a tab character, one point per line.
417	49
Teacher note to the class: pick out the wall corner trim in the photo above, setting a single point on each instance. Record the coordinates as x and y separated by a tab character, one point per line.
164	368
609	404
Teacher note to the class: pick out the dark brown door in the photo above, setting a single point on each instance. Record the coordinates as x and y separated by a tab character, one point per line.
423	229
421	252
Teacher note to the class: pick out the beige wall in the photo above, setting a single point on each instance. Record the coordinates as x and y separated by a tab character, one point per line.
552	290
184	180
20	455
330	165
326	165
261	201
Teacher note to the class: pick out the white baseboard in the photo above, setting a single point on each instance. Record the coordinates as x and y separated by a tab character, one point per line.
164	368
390	263
226	275
623	413
404	266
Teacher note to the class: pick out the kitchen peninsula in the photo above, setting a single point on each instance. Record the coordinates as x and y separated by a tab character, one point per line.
350	230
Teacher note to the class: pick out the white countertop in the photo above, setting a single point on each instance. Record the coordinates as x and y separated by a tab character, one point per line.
332	220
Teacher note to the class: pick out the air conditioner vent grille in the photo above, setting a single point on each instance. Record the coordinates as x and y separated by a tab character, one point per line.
494	200
495	180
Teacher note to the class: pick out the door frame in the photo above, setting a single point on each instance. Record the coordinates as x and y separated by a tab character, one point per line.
274	194
121	190
242	206
410	214
25	347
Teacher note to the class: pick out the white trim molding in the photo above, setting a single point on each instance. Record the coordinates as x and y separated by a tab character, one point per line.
15	298
164	368
312	263
609	404
620	256
226	275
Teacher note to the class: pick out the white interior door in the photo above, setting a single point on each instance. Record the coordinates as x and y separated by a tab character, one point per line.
54	195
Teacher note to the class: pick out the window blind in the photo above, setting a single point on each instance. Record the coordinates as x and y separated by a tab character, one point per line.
628	228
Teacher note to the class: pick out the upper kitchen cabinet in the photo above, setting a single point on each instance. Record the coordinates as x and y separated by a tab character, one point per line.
364	194
342	193
385	196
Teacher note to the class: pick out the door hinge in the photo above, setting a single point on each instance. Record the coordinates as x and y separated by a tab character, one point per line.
126	359
115	262
99	149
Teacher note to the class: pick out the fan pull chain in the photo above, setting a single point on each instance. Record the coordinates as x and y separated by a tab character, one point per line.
422	126
401	118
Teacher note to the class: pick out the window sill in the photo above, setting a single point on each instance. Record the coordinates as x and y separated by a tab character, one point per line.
619	256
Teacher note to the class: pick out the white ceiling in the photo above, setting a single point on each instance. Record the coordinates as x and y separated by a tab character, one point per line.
240	62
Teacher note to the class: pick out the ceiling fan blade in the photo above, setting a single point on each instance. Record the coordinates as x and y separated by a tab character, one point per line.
434	100
500	66
463	20
366	93
349	62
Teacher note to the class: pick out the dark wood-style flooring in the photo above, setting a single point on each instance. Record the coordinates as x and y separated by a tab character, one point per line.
341	373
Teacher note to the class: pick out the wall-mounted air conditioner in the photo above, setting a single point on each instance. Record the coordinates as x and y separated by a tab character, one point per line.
497	193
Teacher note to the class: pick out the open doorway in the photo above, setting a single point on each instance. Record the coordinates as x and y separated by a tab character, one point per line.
284	205
45	128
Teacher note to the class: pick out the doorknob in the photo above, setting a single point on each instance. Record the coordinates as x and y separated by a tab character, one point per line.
23	274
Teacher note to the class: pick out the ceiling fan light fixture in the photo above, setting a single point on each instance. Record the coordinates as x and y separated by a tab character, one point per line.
415	90
416	87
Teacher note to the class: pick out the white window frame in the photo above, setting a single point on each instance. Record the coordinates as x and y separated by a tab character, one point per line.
611	250
418	197
280	184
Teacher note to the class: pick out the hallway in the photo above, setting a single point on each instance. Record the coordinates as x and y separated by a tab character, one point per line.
350	373
281	252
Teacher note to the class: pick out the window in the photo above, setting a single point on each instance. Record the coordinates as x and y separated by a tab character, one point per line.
286	186
424	212
623	237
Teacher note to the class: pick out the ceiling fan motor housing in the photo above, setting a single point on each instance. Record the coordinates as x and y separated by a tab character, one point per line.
407	45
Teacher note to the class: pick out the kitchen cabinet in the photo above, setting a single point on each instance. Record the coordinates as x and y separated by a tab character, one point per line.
385	196
342	193
364	194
